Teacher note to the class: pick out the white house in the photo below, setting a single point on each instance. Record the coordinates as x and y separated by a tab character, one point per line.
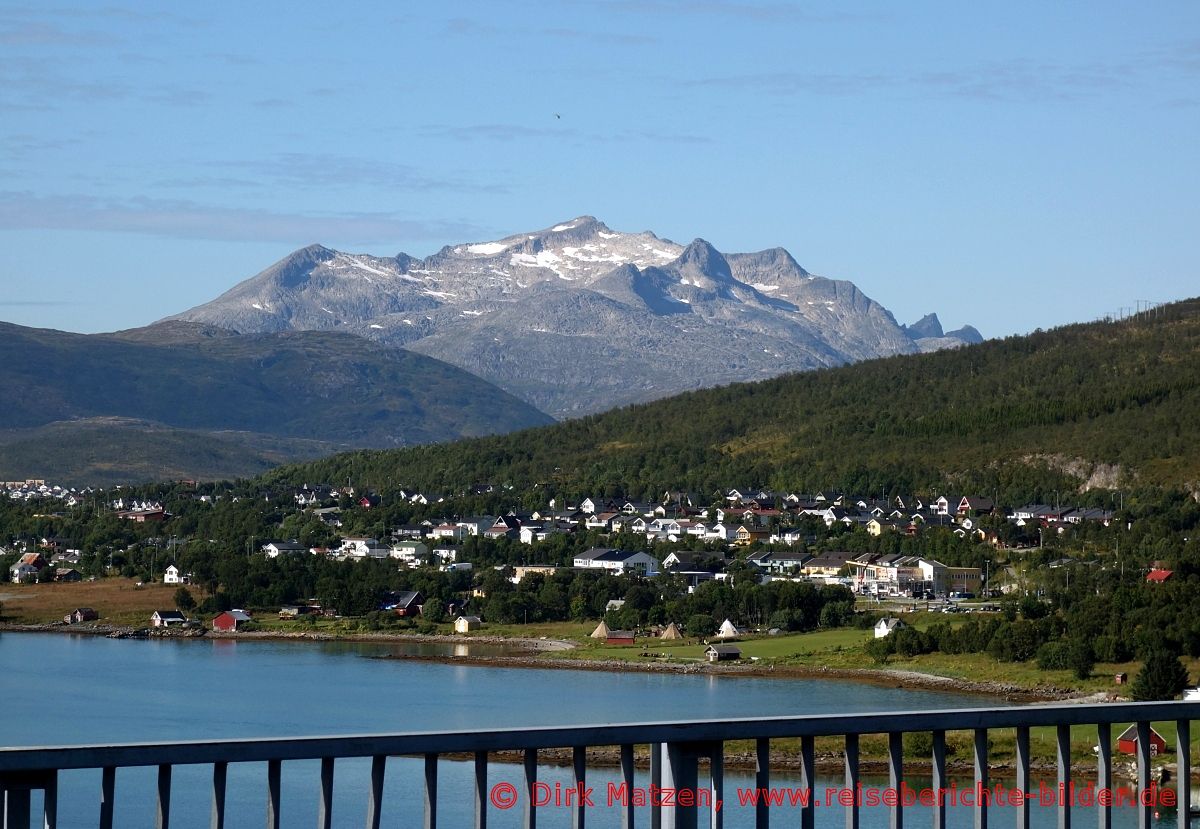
618	561
884	627
173	575
410	552
27	568
166	618
275	549
449	531
362	548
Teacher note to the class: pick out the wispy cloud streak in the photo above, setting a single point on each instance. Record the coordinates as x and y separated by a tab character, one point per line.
188	220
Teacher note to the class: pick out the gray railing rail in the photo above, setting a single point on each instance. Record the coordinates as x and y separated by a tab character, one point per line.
676	751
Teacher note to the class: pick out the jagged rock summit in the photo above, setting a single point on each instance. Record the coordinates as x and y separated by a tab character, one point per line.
578	318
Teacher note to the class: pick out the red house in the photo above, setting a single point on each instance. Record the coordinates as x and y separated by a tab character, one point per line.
1127	742
230	620
619	637
1159	576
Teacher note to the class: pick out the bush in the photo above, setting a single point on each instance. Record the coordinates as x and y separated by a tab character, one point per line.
1053	656
1080	658
1162	676
918	745
701	625
879	649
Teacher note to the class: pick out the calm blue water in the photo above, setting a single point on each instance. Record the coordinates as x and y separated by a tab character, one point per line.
95	690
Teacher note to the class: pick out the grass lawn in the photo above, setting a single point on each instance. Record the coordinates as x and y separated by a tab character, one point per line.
119	601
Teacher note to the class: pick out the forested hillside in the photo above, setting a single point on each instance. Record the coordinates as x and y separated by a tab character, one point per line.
1117	400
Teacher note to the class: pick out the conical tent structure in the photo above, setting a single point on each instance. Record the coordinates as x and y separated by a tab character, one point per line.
727	630
601	631
672	632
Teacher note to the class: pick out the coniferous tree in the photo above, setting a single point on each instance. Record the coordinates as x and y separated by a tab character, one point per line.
1162	676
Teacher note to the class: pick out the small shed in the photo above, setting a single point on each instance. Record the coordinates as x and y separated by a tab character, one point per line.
466	624
166	618
722	653
230	620
1127	742
81	614
619	637
601	631
727	630
1121	678
672	632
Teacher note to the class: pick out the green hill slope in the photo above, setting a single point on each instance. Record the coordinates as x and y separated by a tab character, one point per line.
1117	401
290	394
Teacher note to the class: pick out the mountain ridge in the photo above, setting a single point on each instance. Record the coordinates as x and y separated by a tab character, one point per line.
289	394
671	317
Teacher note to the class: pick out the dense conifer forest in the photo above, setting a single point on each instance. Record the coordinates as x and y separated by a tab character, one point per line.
1006	417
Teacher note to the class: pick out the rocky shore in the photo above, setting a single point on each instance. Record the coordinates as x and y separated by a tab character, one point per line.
555	654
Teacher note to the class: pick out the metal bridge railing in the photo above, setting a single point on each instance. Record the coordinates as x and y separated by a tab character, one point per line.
676	752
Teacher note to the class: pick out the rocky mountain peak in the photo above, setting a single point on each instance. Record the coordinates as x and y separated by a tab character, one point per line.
633	315
703	266
927	326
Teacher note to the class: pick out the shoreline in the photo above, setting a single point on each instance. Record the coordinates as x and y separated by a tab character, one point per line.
540	654
551	654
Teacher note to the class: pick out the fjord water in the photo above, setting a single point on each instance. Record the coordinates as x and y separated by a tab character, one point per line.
80	690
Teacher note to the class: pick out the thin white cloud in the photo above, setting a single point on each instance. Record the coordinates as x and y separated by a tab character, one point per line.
769	12
467	26
179	219
504	133
326	170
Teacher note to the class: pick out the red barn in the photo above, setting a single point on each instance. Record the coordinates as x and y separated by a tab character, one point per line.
230	620
1127	742
619	637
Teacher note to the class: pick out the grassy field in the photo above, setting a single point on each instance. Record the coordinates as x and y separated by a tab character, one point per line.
123	602
118	601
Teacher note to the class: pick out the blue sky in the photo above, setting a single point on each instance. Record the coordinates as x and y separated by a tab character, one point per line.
1010	165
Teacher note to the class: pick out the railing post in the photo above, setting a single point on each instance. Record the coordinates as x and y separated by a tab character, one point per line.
895	778
1023	776
851	781
431	786
939	779
1143	773
716	779
1063	753
481	790
579	765
163	812
220	774
274	770
50	801
627	781
1104	774
108	782
325	798
16	808
656	776
981	778
1183	773
808	781
762	781
375	794
679	772
530	788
